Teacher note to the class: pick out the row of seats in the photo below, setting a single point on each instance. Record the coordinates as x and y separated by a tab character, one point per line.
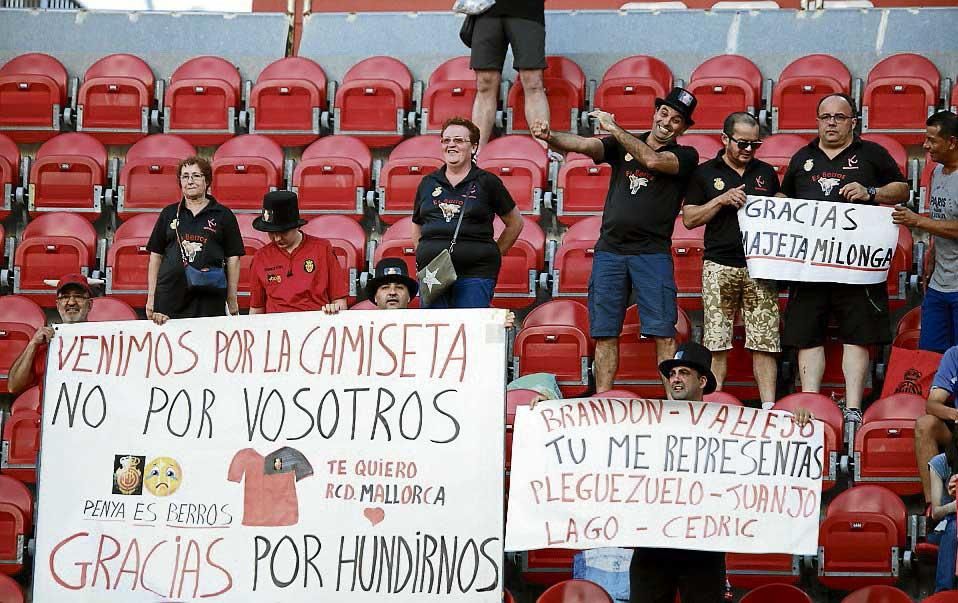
292	102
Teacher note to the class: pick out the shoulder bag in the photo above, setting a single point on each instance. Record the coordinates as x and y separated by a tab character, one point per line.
439	274
199	280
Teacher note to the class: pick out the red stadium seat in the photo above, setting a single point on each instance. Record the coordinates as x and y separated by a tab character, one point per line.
564	84
518	276
407	164
740	378
202	101
9	174
777	150
149	180
53	244
638	365
898	271
287	102
722	85
372	101
945	596
831	416
20	317
69	174
745	570
245	168
514	399
900	93
894	148
907	339
127	260
28	400
861	538
688	249
881	593
884	450
115	99
799	88
911	320
924	185
348	240
396	242
629	89
575	591
16	524
332	177
450	92
253	241
507	597
581	188
10	590
523	165
572	264
554	338
722	398
33	93
108	309
776	593
21	443
706	146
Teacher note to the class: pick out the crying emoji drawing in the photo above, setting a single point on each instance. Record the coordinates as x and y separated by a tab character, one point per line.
162	476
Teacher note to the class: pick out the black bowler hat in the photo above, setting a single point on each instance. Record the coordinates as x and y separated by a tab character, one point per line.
280	212
694	356
682	101
391	270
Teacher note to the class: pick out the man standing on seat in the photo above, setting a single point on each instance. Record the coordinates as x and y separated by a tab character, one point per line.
939	309
717	191
839	166
650	174
520	24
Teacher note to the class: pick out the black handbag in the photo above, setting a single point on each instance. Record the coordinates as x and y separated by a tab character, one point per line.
209	280
465	33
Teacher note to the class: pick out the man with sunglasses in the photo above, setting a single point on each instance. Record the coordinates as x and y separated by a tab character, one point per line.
839	166
716	192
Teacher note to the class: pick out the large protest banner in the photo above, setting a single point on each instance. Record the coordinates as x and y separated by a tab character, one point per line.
821	241
292	457
601	472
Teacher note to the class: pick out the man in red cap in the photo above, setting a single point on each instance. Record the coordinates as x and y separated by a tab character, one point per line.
74	302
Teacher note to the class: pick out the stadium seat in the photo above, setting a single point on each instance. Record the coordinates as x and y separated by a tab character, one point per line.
722	398
884	448
881	593
28	400
744	570
924	185
523	165
910	320
688	249
332	177
564	84
894	148
287	102
945	596
581	188
16	524
776	593
907	339
115	99
507	597
800	86
10	590
554	338
450	92
777	150
396	242
148	179
372	101
722	85
53	244
575	591
638	365
108	309
861	538
706	146
399	178
20	317
572	264
127	260
69	174
629	89
348	240
518	276
245	168
898	271
900	93
831	416
202	101
514	399
253	241
33	94
20	445
740	378
9	175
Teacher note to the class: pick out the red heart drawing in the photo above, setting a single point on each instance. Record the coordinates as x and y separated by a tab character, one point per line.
374	514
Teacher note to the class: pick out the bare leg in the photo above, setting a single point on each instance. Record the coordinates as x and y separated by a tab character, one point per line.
537	105
765	369
606	362
487	100
855	368
720	368
811	367
664	350
930	435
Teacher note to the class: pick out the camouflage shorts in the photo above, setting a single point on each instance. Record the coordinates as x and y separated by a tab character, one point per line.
726	291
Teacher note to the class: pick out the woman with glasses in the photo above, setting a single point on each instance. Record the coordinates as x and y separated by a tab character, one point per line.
460	196
195	252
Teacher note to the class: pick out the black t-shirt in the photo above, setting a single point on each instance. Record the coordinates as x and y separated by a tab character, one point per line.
208	239
533	10
641	206
438	204
723	239
812	175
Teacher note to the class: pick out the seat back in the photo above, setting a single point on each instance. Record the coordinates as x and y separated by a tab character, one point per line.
572	264
911	320
10	590
745	570
629	89
724	84
776	593
881	593
899	94
202	100
148	179
53	244
396	242
884	448
348	240
638	369
688	250
521	163
451	92
564	83
706	146
69	173
9	174
399	178
581	188
777	151
834	421
554	338
518	276
332	177
245	168
722	398
108	309
33	92
575	591
286	102
20	317
800	86
894	148
115	99
127	260
899	269
372	100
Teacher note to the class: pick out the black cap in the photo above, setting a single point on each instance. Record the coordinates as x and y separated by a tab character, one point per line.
694	356
280	212
391	270
682	101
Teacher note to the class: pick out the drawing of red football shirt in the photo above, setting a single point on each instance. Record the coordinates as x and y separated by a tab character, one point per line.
269	498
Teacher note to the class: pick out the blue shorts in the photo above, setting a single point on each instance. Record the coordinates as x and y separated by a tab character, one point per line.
467	292
614	277
939	321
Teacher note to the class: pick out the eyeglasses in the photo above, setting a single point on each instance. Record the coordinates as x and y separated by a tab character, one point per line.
75	297
746	144
188	177
457	140
838	118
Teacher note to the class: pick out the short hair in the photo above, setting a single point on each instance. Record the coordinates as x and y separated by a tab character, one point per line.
467	124
848	99
947	123
739	117
199	162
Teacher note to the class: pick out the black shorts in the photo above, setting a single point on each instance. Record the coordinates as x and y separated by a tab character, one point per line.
655	575
492	35
861	312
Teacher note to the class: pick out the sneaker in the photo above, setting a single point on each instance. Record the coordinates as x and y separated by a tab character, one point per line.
556	157
853	415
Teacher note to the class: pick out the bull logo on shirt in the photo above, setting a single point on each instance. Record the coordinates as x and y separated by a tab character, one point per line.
635	183
450	210
191	249
828	184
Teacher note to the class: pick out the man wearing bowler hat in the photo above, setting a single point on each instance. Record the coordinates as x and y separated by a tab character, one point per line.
391	288
296	272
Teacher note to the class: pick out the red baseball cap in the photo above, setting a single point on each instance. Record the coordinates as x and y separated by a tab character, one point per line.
74	280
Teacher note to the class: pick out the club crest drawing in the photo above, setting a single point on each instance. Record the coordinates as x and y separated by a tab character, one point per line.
128	474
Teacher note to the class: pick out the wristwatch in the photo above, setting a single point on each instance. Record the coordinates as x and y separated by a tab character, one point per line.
872	191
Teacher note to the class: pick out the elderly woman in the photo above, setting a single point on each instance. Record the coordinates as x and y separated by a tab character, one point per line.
199	234
461	191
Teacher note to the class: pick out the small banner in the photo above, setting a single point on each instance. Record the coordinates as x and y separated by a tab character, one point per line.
910	372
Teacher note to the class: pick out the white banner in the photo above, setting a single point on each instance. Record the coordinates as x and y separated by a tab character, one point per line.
288	457
820	241
689	475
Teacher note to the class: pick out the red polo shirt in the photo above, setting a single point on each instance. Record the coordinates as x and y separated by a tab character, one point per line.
305	280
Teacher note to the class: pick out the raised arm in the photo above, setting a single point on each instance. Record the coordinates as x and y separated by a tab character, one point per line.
562	141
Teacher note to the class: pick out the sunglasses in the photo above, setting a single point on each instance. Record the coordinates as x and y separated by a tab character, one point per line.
746	144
